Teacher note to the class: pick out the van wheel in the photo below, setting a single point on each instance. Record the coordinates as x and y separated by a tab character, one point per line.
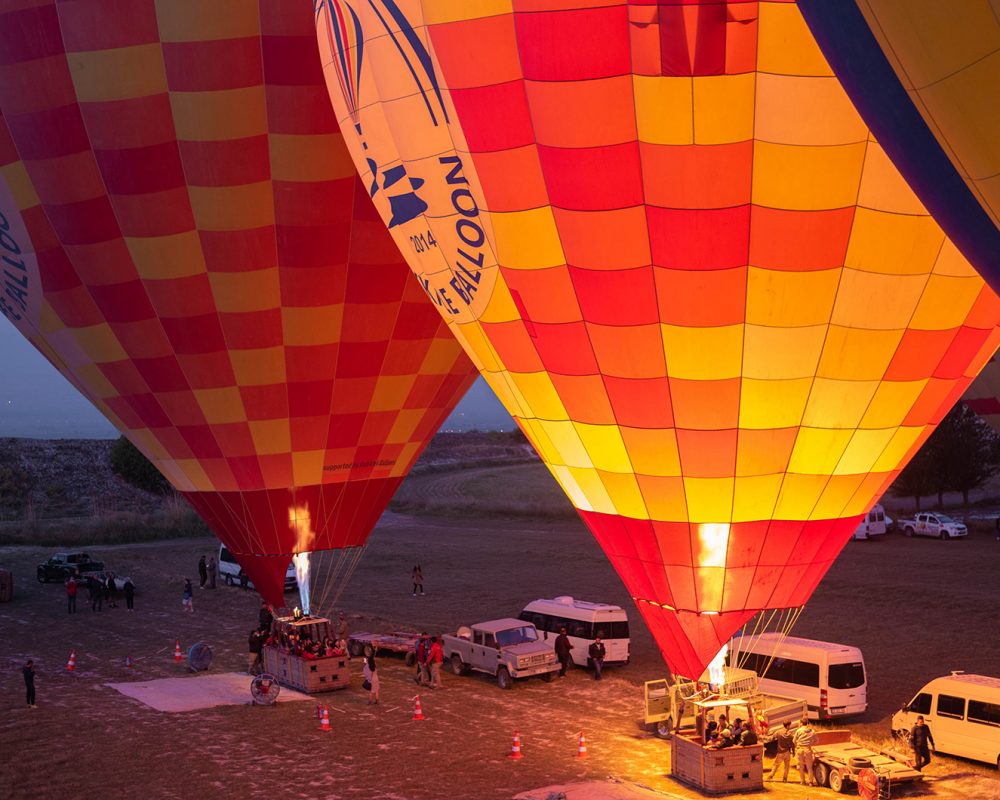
410	658
908	531
821	772
945	536
457	665
837	782
665	728
504	681
229	580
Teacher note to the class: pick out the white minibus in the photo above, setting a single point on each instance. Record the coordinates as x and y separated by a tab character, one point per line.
963	713
583	621
829	677
874	523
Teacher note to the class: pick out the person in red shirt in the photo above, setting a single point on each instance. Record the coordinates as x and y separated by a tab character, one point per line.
71	588
435	658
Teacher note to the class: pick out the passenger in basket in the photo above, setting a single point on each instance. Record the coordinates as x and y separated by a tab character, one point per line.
786	745
711	728
725	739
748	737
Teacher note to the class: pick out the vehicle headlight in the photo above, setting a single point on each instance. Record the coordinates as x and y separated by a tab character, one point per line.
522	661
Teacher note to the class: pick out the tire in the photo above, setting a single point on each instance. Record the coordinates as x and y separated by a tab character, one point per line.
837	782
944	536
457	665
41	577
229	579
821	773
908	531
547	676
665	728
504	681
857	763
410	658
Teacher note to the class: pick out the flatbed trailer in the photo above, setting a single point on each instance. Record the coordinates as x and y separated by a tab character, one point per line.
395	642
839	762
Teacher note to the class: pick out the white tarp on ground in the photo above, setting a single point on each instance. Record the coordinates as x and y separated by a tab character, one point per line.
597	790
195	692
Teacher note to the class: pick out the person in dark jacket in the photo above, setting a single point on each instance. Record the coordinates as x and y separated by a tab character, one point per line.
28	670
244	581
254	647
783	738
265	617
212	570
920	736
96	589
129	591
748	737
563	647
111	593
596	653
202	571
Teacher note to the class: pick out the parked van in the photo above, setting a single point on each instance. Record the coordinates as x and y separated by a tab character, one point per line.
229	570
829	677
583	621
874	523
963	713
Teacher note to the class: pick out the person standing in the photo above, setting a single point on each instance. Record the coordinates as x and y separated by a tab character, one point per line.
129	591
418	580
423	646
341	627
244	581
783	757
96	588
111	591
434	659
187	599
202	572
253	652
28	670
596	653
212	571
265	617
563	647
920	736
71	589
804	739
369	673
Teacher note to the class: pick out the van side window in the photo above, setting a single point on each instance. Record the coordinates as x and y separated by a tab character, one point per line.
619	629
921	704
583	630
948	706
789	670
984	713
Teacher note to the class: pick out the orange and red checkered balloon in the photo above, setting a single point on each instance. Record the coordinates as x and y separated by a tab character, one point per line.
673	249
186	239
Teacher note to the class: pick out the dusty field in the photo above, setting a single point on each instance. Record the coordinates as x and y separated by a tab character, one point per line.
917	608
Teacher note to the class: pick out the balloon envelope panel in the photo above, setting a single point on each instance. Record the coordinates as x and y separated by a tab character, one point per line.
675	252
204	264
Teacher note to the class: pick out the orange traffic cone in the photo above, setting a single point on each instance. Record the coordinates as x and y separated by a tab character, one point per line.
515	748
581	750
128	662
71	664
418	712
324	719
177	652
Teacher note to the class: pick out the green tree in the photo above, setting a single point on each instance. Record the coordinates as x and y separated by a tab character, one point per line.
132	466
917	478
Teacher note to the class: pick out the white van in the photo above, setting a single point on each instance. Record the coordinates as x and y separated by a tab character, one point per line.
874	523
963	713
582	621
230	569
829	677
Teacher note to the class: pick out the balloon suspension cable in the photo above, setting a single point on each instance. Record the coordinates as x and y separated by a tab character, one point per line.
332	572
778	621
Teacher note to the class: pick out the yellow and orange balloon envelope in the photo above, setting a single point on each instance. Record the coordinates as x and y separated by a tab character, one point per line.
674	250
185	238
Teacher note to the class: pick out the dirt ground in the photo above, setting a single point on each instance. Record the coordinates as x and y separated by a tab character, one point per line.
917	608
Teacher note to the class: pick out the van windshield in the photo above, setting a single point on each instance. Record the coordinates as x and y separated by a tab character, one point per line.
514	636
847	676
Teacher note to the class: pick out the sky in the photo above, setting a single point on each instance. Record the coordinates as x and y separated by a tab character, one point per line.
37	402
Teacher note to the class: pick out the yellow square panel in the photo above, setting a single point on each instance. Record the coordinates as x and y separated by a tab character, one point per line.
566	442
474	342
755	497
604	446
864	450
857	354
709	499
664	498
782	352
799	494
19	184
564	477
686	352
306	465
90	375
951	262
179	479
876	300
539	437
624	493
438	11
404	426
838	404
233	208
946	303
238	292
260	367
902	440
118	73
162	257
590	484
723	108
100	343
528	239
271	436
407	455
305	326
150	446
806	178
310	157
196	20
390	392
784	44
883	188
540	395
439	358
773	403
793	109
817	451
894	244
500	306
217	116
790	299
221	405
836	496
891	403
193	475
652	451
663	109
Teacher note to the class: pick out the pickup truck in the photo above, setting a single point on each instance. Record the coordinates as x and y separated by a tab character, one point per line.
505	648
60	566
939	526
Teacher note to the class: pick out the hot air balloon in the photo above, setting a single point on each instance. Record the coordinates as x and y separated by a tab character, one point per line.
186	240
925	76
676	253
